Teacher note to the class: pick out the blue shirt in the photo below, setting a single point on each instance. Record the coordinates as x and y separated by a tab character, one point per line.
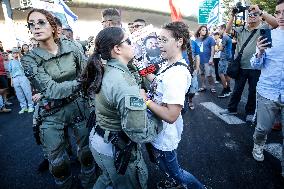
195	51
205	46
226	53
271	80
15	68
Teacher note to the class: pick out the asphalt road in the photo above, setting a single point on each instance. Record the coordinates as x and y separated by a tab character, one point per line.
217	153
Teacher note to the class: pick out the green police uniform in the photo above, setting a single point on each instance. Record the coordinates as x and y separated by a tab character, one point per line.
54	76
119	107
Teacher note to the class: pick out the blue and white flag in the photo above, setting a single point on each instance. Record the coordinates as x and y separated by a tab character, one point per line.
67	10
213	17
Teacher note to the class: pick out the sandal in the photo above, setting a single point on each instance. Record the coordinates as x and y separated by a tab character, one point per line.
213	90
202	89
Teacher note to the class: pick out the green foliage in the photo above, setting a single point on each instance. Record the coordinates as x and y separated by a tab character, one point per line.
267	5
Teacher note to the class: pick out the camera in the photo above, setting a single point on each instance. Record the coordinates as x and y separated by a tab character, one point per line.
239	8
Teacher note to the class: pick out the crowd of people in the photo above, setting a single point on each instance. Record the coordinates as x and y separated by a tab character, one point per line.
116	104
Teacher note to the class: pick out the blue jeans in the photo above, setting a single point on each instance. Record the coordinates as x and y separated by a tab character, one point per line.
168	163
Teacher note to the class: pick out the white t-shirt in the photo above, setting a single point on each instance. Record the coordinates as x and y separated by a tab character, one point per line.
171	88
97	143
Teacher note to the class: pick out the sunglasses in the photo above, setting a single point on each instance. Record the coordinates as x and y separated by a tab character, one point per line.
126	40
137	26
253	14
106	21
41	23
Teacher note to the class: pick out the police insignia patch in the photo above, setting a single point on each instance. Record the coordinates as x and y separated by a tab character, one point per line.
136	102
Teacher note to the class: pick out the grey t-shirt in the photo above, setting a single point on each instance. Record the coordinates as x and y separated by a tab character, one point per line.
250	49
226	53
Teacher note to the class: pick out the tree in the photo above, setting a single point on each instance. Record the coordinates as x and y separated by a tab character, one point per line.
268	6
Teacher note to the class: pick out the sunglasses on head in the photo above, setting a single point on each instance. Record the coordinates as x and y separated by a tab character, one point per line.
128	41
253	14
41	23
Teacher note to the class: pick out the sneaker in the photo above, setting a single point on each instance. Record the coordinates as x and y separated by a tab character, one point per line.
227	112
257	152
249	118
23	110
30	110
5	110
228	90
223	94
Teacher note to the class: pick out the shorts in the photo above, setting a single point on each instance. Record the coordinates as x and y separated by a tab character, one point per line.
222	67
3	82
207	70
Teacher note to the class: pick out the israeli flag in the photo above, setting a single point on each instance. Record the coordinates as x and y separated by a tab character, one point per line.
213	17
67	10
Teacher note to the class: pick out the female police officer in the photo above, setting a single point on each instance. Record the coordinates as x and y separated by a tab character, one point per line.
121	116
52	69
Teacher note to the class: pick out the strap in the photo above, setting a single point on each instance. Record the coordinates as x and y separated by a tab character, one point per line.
172	65
247	41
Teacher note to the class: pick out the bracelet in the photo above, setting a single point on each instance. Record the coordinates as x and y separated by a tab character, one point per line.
148	102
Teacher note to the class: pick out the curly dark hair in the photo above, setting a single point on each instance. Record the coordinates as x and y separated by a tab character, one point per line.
50	18
197	33
180	30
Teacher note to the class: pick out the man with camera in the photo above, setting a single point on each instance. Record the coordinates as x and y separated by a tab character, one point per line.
270	87
247	73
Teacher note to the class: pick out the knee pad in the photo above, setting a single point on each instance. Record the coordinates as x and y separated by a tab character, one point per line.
60	168
86	157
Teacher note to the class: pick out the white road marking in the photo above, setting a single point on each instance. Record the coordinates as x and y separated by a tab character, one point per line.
229	119
274	149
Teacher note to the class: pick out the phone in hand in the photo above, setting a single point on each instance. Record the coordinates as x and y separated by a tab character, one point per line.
266	33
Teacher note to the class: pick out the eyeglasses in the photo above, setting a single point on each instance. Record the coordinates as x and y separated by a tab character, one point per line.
253	14
279	13
162	40
137	26
126	40
41	23
106	21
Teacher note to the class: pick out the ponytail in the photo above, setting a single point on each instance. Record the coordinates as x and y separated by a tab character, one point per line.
93	74
189	54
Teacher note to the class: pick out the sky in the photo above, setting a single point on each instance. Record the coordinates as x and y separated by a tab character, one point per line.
187	7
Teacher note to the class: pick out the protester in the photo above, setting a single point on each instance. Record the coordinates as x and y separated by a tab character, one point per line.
225	58
3	85
53	69
138	24
166	101
207	50
247	73
270	87
111	17
121	121
20	83
130	27
1	47
216	57
25	49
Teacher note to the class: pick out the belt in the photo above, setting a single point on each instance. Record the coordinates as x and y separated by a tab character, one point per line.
105	133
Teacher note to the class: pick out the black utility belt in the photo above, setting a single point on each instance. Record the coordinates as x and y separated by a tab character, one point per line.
58	103
101	132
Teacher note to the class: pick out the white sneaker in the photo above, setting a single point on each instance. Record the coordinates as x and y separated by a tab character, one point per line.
30	110
23	110
257	152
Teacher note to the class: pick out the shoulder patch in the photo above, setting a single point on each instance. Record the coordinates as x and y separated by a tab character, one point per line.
136	102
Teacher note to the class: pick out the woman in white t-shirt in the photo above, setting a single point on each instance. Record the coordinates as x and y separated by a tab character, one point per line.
166	101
